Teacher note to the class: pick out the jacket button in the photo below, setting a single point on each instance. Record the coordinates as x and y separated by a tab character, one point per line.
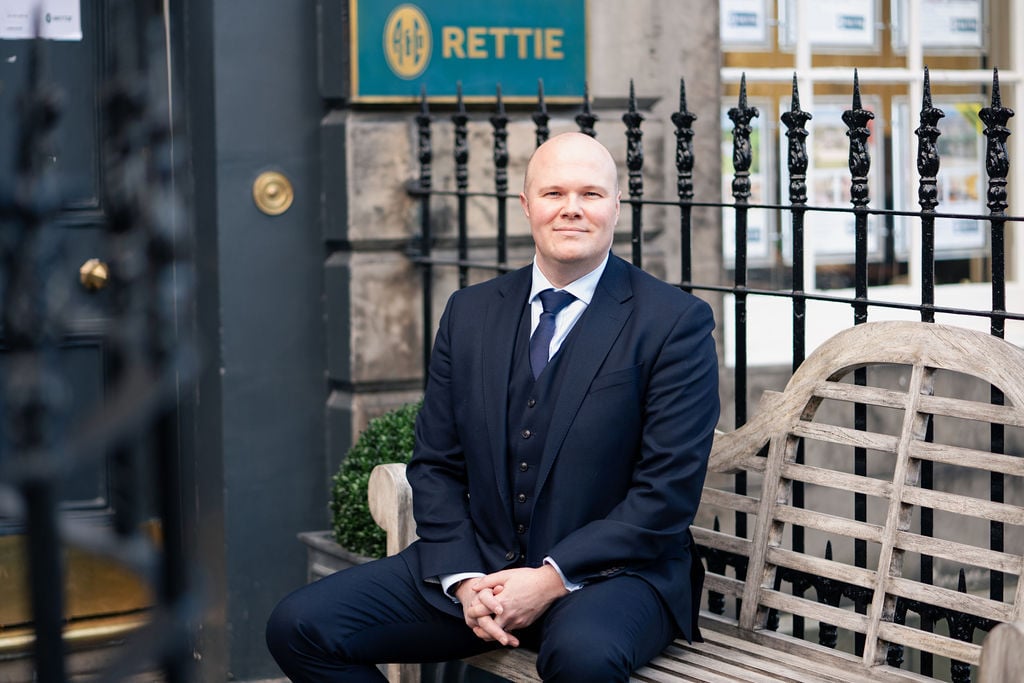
523	466
521	529
531	403
526	433
521	497
510	555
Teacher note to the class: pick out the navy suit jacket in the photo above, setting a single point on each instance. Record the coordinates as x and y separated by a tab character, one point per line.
624	460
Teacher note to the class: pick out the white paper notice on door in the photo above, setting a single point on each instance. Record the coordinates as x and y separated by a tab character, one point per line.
51	19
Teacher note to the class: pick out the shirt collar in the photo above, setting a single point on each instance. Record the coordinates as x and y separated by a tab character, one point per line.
582	288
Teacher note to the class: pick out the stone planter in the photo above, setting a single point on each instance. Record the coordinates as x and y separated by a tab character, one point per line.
324	556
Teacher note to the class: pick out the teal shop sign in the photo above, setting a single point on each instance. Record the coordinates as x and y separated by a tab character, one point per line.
397	48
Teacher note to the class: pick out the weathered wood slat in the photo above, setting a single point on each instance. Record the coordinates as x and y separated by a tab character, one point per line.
968	458
965	505
960	552
725	585
929	642
729	500
829	523
951	599
814	610
845	481
972	410
845	436
822	567
721	541
867	395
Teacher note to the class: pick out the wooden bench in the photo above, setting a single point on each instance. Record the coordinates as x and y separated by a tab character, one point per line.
926	392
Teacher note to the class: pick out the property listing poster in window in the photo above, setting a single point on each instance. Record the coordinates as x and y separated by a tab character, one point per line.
51	19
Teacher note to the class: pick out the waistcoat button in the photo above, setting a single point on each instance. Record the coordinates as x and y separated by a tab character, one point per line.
526	433
510	555
523	466
521	497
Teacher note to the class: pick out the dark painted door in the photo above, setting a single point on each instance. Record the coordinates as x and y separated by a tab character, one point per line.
95	589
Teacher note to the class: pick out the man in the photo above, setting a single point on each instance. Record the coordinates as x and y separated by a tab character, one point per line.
560	454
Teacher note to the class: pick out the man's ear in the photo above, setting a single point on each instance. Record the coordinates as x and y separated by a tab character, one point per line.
525	203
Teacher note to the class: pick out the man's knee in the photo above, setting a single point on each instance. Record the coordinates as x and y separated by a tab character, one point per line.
284	632
583	659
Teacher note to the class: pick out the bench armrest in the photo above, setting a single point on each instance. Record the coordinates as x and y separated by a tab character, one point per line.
390	498
1002	654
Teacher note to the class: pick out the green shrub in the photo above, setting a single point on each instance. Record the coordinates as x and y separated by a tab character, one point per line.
388	438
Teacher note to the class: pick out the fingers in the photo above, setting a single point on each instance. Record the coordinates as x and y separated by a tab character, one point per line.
488	629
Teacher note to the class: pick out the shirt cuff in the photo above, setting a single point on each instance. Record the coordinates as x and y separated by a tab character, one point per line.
569	585
449	580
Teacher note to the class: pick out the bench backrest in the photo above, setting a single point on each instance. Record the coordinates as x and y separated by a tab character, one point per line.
887	425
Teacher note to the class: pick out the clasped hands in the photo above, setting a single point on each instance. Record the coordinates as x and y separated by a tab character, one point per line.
499	603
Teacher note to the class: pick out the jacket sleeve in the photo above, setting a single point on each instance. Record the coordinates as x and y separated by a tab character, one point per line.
437	472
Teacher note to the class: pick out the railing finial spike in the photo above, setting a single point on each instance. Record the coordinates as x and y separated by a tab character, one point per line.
794	104
500	103
927	101
856	90
682	94
997	100
461	105
743	91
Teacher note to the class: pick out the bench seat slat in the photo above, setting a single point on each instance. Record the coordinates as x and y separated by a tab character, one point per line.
796	654
950	550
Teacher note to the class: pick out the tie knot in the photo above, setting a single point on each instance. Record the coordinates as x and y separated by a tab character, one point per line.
553	301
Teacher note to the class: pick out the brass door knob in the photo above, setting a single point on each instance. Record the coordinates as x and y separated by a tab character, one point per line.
93	274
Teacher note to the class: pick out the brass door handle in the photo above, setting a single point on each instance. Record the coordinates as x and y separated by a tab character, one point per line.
93	274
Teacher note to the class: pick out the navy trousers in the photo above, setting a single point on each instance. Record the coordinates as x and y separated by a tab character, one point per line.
340	627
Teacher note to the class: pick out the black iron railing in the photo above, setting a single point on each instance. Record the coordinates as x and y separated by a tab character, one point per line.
148	285
431	254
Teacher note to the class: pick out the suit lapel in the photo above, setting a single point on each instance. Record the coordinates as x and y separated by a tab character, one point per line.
501	319
596	330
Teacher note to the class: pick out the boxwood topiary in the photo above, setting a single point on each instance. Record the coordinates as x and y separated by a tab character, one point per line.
388	438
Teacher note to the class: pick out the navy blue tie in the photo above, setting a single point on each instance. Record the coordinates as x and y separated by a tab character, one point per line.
540	342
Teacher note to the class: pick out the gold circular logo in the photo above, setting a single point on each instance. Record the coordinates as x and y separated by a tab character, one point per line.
407	41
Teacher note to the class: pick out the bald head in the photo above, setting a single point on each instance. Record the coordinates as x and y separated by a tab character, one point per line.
570	148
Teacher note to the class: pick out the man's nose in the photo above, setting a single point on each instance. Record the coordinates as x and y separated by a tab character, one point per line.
571	205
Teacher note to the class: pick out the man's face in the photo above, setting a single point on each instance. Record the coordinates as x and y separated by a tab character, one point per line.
571	199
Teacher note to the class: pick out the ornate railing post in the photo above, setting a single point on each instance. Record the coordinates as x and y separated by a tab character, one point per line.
856	119
36	393
683	121
997	165
540	116
795	121
635	164
425	155
499	121
586	118
741	116
461	154
927	195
